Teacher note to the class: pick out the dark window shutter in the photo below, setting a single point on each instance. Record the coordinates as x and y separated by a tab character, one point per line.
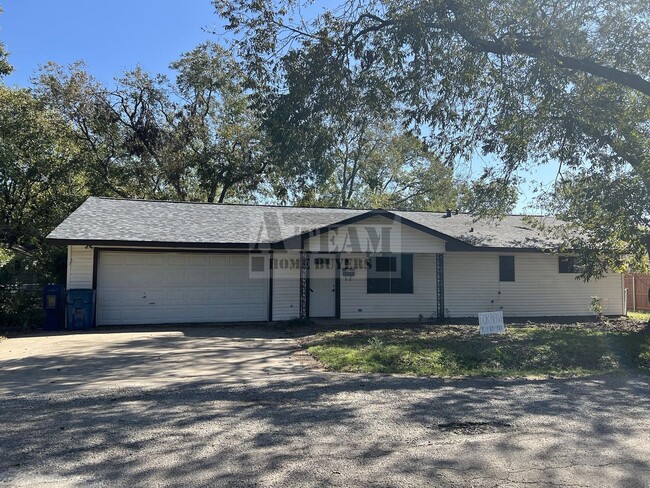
506	268
379	275
402	279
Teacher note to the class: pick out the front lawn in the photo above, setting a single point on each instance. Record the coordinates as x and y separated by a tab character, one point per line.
459	350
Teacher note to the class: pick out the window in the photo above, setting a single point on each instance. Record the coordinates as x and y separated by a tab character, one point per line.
257	264
568	264
506	268
391	274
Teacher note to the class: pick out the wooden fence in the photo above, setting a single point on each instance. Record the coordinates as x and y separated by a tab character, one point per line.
638	289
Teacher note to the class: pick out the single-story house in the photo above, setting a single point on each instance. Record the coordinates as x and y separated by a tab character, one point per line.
157	262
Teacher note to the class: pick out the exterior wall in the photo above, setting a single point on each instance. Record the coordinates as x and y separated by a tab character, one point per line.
472	285
80	267
402	238
356	303
286	285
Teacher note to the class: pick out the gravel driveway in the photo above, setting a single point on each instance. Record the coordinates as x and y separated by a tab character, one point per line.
188	419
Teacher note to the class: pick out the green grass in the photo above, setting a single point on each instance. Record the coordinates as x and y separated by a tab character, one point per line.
640	316
461	351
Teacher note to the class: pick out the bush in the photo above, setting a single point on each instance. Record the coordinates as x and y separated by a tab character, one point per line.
22	277
597	306
20	308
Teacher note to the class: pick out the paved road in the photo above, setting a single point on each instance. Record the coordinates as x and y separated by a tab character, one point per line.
283	425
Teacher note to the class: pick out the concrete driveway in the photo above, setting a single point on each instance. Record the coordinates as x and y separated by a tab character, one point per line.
231	407
147	357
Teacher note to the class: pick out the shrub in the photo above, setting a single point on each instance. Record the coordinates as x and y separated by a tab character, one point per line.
597	306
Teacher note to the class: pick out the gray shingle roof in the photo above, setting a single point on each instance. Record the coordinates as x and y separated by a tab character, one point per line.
513	231
106	220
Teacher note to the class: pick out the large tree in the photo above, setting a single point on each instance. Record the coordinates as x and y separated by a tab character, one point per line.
523	81
122	131
216	125
38	165
342	147
40	184
191	138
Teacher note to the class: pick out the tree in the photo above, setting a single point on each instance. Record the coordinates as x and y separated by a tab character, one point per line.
225	144
194	138
38	164
5	67
121	131
381	167
609	207
524	81
39	187
341	147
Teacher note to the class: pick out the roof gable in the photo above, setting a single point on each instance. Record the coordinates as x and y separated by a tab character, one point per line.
296	241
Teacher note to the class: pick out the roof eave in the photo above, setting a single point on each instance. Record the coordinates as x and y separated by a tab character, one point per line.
184	245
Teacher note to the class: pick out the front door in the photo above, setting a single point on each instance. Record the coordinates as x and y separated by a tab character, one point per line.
322	286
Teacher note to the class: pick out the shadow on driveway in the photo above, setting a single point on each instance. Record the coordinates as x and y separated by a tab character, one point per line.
143	357
221	407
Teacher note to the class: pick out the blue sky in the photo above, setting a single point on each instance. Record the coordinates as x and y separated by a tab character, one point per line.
110	36
117	35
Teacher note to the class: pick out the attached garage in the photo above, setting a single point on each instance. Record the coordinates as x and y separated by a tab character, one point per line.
147	287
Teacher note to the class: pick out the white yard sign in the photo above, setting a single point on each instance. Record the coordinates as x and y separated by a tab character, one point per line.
491	322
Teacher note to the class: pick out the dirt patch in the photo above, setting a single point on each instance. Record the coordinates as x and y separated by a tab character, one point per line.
302	357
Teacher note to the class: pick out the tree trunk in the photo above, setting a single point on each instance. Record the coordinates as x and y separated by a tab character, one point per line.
222	195
212	192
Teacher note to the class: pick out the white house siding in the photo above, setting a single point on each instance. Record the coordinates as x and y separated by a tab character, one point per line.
80	267
403	238
356	303
472	285
286	285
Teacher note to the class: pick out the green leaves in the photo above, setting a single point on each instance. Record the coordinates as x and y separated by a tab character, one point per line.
38	161
192	138
5	67
522	81
608	219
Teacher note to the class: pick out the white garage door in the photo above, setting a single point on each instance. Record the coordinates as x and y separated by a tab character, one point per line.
176	287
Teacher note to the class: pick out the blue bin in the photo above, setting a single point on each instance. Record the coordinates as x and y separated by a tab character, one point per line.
54	306
80	311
